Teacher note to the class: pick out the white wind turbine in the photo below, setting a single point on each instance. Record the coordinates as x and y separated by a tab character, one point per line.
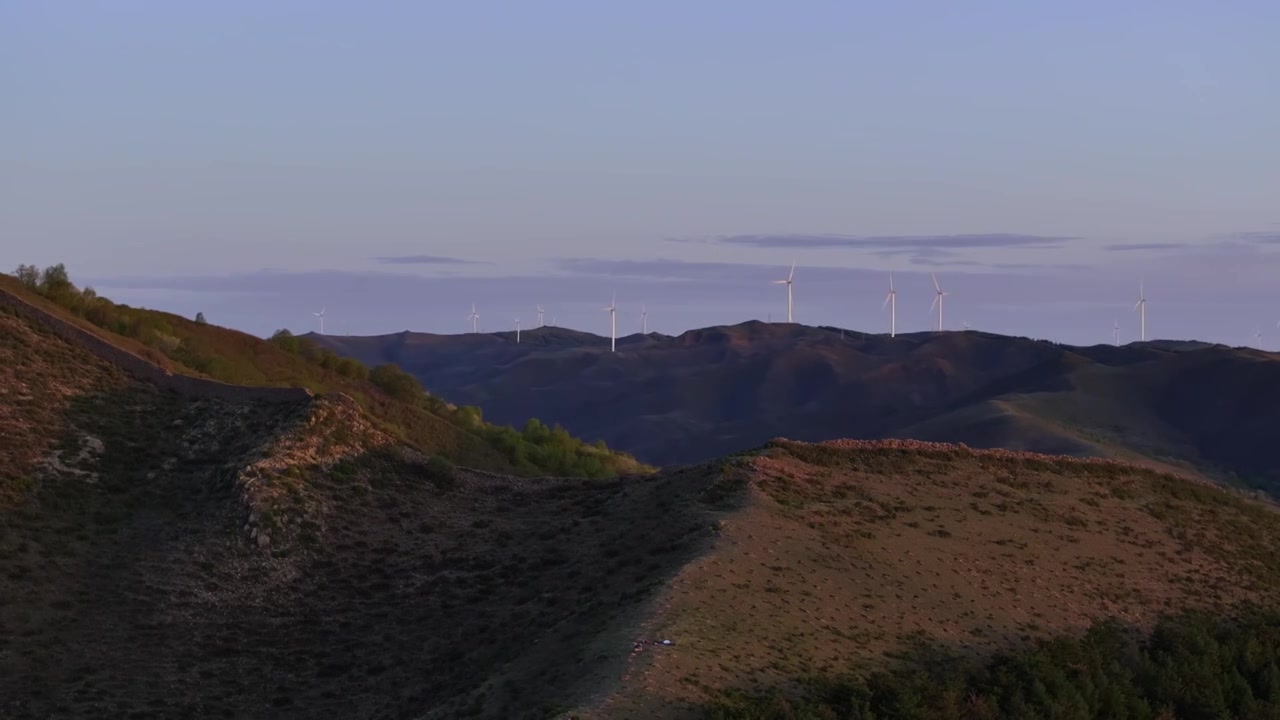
1142	305
891	301
321	316
474	317
937	299
644	321
539	316
1257	337
788	282
517	331
1115	333
613	323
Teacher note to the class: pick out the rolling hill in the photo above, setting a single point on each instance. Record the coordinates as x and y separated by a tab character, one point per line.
393	400
1192	407
178	546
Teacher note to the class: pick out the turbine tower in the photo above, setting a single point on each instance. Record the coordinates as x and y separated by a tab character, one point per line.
474	317
539	316
1115	333
321	316
937	299
644	321
790	279
1257	336
517	331
1142	305
891	301
613	323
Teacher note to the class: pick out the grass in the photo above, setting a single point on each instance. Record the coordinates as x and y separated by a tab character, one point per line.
847	554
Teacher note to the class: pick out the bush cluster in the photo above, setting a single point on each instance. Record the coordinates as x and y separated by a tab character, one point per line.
1194	666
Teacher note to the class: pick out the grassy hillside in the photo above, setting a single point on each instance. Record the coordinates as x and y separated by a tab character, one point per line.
163	556
1198	408
396	401
167	557
842	559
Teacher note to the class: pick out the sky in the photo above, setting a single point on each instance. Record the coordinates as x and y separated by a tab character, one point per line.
394	162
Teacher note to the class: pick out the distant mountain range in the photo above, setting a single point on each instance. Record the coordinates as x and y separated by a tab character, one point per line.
1195	407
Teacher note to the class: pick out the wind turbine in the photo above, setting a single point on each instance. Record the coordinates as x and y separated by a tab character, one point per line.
474	317
517	331
1142	305
321	316
1115	333
790	278
613	323
1257	336
937	299
644	321
891	300
539	316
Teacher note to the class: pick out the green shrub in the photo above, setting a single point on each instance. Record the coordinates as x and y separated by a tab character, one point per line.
442	473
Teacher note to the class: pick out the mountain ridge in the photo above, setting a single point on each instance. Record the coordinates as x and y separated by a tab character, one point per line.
712	391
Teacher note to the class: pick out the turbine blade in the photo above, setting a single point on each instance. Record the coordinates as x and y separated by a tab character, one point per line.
887	298
792	274
934	304
936	286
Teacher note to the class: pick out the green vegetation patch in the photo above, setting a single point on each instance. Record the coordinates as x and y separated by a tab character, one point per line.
1190	666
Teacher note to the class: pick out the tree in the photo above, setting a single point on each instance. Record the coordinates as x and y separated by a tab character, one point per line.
286	341
28	275
55	280
396	382
200	319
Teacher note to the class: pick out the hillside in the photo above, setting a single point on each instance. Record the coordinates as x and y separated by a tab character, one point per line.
849	557
170	548
393	400
1186	406
177	547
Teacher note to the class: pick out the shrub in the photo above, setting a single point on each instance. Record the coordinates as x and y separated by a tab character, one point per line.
397	383
442	473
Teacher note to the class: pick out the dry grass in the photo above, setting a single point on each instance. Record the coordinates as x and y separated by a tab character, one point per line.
846	554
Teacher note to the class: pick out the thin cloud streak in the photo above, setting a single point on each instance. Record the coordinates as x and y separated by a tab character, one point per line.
1123	247
1264	237
889	243
426	260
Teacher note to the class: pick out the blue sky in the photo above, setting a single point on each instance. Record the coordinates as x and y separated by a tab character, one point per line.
259	160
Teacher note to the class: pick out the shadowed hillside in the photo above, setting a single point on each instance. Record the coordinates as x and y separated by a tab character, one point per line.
171	553
1194	407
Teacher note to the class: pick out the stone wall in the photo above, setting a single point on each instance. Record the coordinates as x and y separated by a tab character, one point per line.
146	370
